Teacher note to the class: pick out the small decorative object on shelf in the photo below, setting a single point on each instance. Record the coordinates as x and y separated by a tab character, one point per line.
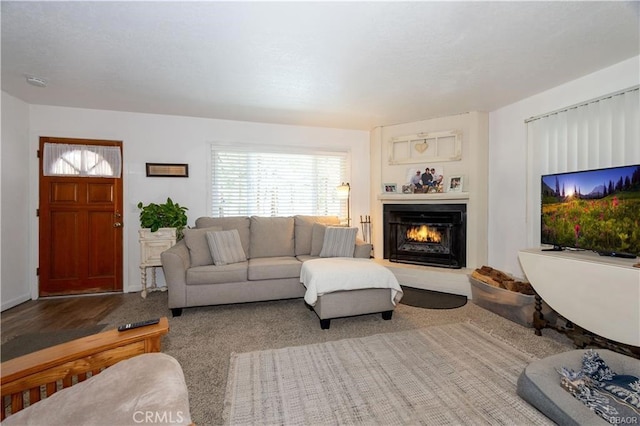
455	184
390	187
426	147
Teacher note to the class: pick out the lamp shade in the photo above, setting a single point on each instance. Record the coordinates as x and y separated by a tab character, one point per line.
343	191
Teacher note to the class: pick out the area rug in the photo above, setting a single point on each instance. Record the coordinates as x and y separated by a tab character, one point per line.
31	342
430	299
448	374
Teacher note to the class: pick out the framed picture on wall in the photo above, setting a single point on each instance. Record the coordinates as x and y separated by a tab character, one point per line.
389	187
167	170
455	184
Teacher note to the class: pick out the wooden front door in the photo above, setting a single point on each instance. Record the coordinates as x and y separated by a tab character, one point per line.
80	226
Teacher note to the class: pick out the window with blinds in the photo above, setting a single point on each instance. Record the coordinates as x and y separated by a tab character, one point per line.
250	183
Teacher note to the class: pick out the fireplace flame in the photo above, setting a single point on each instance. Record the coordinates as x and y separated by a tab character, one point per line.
424	234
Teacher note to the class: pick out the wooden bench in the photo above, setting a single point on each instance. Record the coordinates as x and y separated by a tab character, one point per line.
30	378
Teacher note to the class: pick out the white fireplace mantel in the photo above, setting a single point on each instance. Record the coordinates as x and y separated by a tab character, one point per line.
442	196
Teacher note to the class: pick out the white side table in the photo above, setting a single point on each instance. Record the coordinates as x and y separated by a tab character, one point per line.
152	244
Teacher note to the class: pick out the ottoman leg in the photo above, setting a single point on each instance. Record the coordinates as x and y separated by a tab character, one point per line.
386	315
325	324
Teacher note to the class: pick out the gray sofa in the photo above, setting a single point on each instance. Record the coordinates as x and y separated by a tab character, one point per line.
275	248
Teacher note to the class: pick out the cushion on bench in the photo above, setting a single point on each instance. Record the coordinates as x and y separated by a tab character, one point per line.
148	388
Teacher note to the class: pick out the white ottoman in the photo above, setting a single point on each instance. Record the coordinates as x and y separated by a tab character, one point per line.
341	287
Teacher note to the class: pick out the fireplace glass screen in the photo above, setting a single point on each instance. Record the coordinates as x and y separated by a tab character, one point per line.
426	236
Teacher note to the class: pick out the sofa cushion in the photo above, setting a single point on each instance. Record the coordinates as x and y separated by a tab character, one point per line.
241	223
339	242
317	238
271	237
212	274
225	247
196	241
305	257
268	268
304	230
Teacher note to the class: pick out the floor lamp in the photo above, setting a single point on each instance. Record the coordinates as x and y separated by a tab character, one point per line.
344	193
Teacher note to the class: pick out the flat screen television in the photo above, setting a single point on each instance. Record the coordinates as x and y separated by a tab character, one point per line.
595	210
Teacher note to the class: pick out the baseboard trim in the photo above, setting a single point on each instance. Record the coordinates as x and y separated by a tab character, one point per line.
8	304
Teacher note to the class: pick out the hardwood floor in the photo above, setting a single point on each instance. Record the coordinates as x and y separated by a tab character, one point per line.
59	313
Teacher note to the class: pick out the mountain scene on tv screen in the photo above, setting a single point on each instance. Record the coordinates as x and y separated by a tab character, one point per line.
594	210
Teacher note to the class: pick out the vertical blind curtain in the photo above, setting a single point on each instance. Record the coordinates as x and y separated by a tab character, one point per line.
246	183
600	133
81	160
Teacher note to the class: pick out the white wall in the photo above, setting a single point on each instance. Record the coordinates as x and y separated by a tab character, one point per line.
509	209
15	277
174	139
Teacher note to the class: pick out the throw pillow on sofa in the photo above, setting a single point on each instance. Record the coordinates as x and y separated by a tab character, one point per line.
304	230
339	242
225	247
196	241
317	238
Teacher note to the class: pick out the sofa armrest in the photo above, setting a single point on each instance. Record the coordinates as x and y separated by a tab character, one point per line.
362	250
175	262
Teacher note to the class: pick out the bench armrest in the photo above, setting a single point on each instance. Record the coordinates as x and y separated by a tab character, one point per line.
23	376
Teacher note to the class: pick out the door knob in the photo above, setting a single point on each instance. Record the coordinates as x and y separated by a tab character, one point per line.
117	225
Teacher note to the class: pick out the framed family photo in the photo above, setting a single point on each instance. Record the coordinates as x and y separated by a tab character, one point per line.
455	184
389	187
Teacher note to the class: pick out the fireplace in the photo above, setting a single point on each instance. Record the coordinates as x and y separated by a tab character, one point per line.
426	234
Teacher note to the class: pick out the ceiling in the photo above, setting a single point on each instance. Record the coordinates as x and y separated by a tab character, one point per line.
352	65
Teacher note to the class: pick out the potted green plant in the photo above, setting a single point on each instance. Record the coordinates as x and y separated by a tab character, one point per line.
168	215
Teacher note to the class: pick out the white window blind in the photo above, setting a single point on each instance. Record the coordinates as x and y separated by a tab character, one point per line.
251	183
81	160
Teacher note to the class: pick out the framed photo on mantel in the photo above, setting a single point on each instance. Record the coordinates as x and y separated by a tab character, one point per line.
390	187
455	184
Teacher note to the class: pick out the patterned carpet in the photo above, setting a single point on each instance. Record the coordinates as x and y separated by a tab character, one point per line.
203	338
449	374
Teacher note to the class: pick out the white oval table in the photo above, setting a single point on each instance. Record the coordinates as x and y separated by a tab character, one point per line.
600	294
